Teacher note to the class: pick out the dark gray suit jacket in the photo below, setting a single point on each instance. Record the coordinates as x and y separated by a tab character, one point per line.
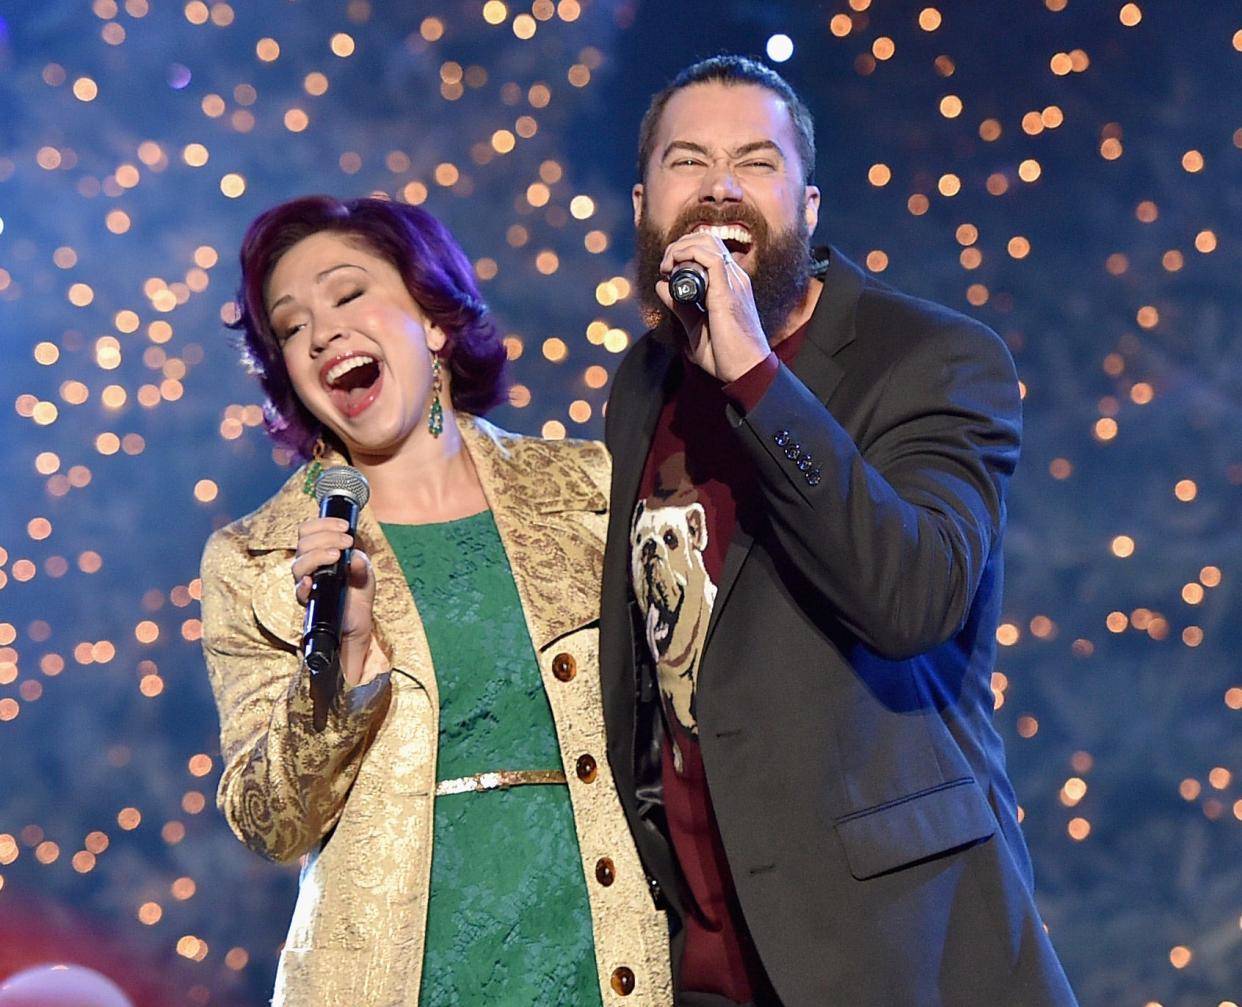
844	701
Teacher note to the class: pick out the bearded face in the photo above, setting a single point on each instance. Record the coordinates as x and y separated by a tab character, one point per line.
778	267
725	156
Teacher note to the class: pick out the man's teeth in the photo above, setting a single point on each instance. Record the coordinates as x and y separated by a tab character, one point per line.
345	366
732	232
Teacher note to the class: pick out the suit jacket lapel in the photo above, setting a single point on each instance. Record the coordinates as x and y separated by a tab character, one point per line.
633	410
739	549
631	432
831	327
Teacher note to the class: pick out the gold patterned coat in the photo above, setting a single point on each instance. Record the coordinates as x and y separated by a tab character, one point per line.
356	801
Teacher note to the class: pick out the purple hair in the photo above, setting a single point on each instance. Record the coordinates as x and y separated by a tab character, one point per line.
436	273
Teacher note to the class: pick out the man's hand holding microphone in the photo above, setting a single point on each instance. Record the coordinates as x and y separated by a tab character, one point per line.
723	332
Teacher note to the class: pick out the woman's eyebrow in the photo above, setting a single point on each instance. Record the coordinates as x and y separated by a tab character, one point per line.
319	278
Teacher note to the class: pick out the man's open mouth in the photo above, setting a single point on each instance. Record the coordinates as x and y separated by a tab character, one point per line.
352	381
736	237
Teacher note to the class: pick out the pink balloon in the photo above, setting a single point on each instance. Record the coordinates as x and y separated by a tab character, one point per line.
61	986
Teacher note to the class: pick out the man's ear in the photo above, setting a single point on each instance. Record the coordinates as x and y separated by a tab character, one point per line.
811	207
636	194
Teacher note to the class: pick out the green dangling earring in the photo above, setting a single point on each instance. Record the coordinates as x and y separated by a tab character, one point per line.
435	418
315	468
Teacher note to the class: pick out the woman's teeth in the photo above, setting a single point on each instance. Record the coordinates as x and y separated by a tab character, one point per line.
344	367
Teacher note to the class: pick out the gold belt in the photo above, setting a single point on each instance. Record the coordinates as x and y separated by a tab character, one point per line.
501	779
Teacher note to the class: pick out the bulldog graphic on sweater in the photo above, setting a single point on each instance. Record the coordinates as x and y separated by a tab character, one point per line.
675	595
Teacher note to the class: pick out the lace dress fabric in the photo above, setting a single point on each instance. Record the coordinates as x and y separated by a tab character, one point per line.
508	919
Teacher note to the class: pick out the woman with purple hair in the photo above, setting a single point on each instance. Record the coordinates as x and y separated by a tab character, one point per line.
460	837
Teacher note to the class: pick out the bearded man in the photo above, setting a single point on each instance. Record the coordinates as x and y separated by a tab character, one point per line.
801	593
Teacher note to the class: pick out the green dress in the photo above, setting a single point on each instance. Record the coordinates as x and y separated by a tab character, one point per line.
508	920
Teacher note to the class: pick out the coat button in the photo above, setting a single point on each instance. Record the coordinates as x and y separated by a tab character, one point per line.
623	981
564	667
586	768
794	451
605	871
814	476
804	463
781	437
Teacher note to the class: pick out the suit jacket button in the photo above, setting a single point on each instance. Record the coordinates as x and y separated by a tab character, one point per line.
794	451
605	871
804	463
781	437
564	667
622	981
586	768
814	476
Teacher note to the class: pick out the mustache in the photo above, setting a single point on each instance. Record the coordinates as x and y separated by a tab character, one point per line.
779	271
716	215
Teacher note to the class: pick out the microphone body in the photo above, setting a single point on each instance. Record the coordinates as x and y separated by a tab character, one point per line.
687	284
342	493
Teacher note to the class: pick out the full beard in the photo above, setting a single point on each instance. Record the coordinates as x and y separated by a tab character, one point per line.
779	274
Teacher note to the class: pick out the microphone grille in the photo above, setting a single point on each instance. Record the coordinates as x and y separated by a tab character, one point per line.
342	480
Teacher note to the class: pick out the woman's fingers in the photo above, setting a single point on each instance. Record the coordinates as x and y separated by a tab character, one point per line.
361	576
324	540
316	524
307	563
360	573
320	543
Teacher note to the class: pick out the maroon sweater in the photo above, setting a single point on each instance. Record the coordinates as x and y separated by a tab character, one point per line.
696	486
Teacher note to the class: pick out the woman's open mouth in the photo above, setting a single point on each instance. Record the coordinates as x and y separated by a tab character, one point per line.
353	382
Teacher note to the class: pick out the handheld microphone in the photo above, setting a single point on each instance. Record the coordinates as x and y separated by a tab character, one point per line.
342	492
687	284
